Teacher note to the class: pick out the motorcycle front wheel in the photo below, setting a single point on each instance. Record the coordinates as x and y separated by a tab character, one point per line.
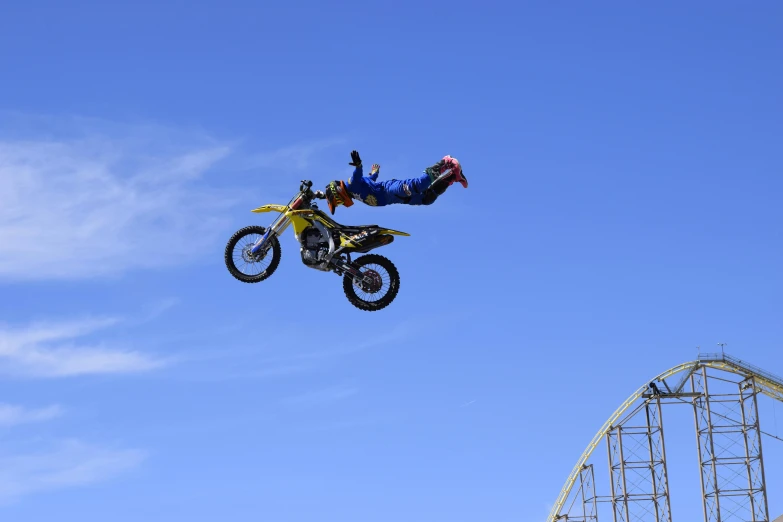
378	285
244	265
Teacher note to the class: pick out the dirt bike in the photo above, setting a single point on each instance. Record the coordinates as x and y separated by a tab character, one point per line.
370	282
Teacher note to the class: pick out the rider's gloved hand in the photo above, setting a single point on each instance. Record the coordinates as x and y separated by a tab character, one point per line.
374	172
356	160
319	194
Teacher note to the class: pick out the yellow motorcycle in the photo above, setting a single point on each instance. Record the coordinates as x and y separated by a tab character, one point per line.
370	282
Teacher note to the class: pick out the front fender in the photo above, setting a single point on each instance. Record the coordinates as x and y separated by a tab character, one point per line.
270	208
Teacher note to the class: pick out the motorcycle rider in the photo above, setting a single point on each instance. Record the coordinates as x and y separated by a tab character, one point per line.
423	190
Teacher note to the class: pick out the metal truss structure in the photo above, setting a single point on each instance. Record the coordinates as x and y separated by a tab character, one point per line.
723	392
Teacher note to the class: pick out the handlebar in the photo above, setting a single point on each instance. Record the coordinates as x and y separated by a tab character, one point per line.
304	188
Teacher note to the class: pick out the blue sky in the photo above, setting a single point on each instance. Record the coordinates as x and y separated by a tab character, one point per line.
624	208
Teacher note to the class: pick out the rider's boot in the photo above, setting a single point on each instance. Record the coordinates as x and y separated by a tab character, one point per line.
452	170
456	171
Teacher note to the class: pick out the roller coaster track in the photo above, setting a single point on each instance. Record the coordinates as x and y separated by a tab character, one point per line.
765	382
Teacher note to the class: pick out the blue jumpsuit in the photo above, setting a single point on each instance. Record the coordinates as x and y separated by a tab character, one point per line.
378	194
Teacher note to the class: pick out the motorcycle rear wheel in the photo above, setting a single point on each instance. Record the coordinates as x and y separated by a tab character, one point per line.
378	288
267	263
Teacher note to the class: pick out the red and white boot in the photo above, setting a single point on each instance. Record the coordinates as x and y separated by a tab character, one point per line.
456	171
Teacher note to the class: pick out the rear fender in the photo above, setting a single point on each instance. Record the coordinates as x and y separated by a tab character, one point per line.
392	232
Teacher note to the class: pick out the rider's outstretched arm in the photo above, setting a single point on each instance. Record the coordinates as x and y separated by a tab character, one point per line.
357	174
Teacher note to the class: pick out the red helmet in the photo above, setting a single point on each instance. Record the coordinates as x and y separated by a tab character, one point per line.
337	194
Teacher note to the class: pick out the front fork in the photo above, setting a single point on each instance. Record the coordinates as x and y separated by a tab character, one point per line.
277	228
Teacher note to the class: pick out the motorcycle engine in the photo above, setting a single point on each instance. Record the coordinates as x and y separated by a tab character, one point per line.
315	246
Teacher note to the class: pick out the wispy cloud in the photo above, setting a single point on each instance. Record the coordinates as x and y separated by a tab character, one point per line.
67	464
399	332
85	198
157	309
353	424
299	156
100	200
13	415
269	361
48	350
322	396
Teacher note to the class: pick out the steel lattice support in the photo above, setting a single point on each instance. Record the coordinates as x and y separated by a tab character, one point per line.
730	453
724	396
637	467
587	498
754	459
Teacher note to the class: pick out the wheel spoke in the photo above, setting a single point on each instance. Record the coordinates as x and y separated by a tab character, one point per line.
385	283
242	264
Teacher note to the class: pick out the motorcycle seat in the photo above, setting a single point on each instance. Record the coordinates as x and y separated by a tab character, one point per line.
349	227
360	227
355	227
